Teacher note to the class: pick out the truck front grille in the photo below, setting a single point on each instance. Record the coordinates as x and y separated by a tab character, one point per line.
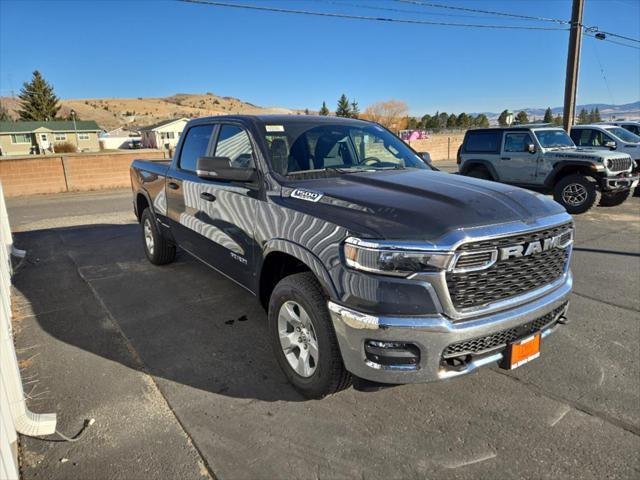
508	278
500	339
619	164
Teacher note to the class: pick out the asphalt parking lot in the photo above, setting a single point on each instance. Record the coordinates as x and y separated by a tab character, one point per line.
174	365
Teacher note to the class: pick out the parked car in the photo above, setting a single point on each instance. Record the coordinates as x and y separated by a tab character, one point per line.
370	264
607	137
633	127
544	158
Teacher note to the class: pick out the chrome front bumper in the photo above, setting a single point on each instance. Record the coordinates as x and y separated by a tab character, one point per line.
432	335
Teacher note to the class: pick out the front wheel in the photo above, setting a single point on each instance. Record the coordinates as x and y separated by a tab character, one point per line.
577	193
612	199
303	338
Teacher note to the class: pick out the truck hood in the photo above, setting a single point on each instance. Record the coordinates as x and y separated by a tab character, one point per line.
414	204
584	154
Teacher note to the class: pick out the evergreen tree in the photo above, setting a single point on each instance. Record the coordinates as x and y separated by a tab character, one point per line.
413	123
522	117
426	121
355	109
442	120
502	119
463	121
583	116
343	109
324	111
452	121
548	116
4	114
481	121
306	111
595	115
37	100
558	120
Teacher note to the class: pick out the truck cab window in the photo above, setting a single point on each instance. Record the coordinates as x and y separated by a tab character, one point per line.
234	143
196	144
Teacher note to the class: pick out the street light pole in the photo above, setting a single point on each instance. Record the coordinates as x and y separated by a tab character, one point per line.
75	128
573	64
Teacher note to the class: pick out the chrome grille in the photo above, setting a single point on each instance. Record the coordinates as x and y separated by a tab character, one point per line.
497	340
619	164
507	278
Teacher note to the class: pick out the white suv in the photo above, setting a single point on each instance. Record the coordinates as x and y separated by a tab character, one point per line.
600	136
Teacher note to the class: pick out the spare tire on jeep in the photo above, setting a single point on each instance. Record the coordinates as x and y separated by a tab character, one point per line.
577	193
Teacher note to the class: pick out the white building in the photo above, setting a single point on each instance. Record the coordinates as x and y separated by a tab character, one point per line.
120	138
164	134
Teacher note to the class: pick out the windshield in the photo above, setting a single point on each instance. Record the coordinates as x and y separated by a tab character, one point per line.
301	148
554	138
623	134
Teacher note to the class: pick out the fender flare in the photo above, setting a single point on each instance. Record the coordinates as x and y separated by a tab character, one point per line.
305	256
145	194
469	164
550	180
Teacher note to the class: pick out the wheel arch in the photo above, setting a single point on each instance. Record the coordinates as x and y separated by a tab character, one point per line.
141	202
281	258
565	168
469	165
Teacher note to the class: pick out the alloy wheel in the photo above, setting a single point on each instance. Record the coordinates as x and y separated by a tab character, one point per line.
298	338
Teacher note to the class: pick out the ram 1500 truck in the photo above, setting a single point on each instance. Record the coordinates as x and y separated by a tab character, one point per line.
370	263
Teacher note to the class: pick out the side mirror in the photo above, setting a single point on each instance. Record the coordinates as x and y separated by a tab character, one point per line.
219	168
610	144
531	148
426	157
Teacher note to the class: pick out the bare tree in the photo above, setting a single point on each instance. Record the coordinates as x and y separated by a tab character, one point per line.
391	113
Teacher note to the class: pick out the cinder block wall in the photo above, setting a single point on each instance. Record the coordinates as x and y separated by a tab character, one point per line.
441	146
67	173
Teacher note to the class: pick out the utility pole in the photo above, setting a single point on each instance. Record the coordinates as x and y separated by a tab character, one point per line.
573	64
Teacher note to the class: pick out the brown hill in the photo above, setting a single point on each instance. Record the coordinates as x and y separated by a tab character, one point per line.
136	112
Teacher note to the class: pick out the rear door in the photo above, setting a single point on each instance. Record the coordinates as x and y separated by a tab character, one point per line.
225	216
517	164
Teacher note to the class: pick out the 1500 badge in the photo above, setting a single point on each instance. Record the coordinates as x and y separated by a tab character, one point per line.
307	195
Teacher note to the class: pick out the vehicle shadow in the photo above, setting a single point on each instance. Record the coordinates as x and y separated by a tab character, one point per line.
185	322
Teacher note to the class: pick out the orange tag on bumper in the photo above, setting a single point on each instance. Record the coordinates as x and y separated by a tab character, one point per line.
522	351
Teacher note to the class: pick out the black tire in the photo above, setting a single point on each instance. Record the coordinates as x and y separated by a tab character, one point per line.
480	173
329	376
160	252
577	193
612	199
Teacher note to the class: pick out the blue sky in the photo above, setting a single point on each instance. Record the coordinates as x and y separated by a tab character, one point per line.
158	48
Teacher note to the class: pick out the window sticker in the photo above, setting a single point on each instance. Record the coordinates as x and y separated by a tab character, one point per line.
274	128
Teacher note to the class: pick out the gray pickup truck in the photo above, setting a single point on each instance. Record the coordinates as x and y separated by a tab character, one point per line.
372	266
544	158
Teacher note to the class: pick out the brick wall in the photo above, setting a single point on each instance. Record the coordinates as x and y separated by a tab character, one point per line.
72	172
440	146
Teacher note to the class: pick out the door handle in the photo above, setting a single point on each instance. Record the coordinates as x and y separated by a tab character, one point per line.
209	197
173	185
505	158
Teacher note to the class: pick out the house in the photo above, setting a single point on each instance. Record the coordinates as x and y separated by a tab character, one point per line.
120	138
25	138
164	134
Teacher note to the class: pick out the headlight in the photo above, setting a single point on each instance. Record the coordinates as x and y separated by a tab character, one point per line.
371	257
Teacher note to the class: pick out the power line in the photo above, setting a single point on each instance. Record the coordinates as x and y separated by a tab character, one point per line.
588	34
604	76
363	17
397	10
486	12
514	15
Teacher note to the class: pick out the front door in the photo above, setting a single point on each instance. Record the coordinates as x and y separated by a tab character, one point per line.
517	164
44	141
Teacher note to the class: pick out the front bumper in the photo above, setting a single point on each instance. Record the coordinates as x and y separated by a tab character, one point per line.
620	182
432	335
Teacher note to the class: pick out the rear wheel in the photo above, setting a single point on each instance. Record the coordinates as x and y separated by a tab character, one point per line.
577	193
481	173
612	199
156	247
303	339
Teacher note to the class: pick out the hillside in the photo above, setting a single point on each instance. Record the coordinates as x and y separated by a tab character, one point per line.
135	112
627	111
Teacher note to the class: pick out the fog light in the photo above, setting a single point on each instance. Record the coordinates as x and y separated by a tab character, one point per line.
392	353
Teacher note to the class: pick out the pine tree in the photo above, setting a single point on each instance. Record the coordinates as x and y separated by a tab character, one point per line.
463	121
306	111
343	109
355	109
452	121
548	116
583	116
37	100
595	115
502	118
522	117
4	114
481	121
324	111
